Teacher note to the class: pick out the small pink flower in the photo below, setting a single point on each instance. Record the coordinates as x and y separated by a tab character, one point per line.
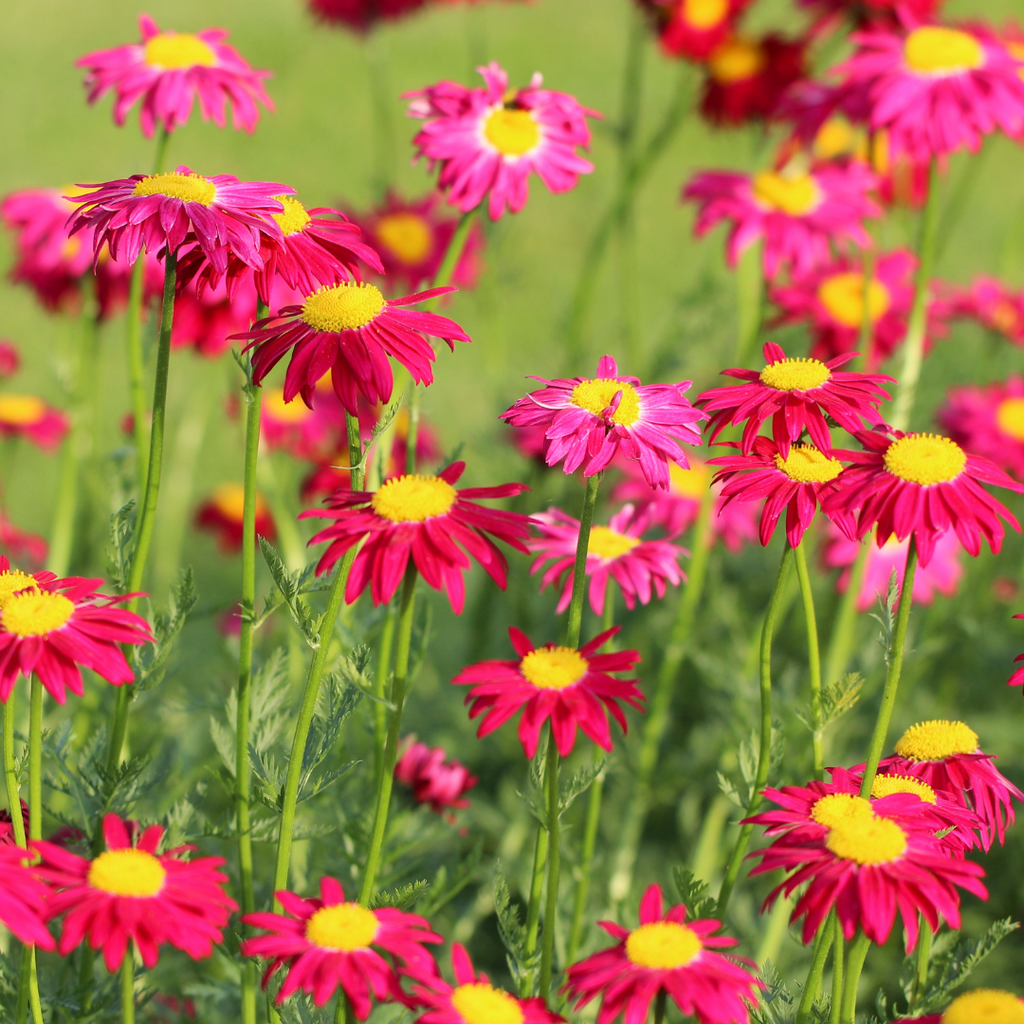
982	1004
221	515
995	305
28	548
432	778
693	30
30	417
361	15
989	421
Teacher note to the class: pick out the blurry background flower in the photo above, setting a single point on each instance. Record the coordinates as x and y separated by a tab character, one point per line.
221	514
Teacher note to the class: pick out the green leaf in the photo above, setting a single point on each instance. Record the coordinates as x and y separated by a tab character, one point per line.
122	538
404	897
150	660
693	892
291	586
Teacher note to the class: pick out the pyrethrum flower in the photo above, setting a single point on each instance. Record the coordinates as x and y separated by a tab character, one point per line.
329	943
693	28
169	71
22	898
589	422
135	893
989	421
361	15
989	1005
315	434
568	686
995	305
488	141
666	953
432	778
221	514
30	417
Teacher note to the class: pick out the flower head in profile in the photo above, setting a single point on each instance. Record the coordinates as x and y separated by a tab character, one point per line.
988	421
133	893
329	943
666	953
432	778
488	141
361	15
588	422
221	514
568	686
993	304
981	1006
169	71
693	29
23	898
30	417
747	77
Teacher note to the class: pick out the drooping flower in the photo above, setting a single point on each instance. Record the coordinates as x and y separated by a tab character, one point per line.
489	140
424	518
988	421
995	305
361	15
169	71
666	953
328	943
563	684
132	892
981	1006
432	778
693	28
23	898
589	422
221	514
30	417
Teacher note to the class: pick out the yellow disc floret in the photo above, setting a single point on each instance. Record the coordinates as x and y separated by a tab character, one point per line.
512	132
936	50
925	459
293	218
33	613
127	872
345	926
229	500
936	740
795	194
21	410
12	581
886	785
480	1003
796	374
985	1006
806	465
189	188
736	61
408	236
836	809
609	544
288	412
690	483
843	296
597	395
553	668
867	840
343	307
173	51
414	498
663	945
705	14
1009	417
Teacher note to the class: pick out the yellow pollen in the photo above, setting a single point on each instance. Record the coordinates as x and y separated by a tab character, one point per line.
407	236
663	945
553	668
688	483
1010	417
294	218
795	194
609	544
481	1003
127	872
345	926
936	740
412	499
189	188
736	61
796	374
288	412
843	296
886	785
837	809
172	51
343	307
936	50
985	1006
512	132
21	410
35	613
705	14
12	581
596	395
867	840
806	465
925	459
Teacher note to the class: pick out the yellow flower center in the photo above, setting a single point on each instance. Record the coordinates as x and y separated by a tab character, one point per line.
596	395
837	137
343	307
736	61
289	412
412	499
1005	317
229	500
35	613
609	544
407	236
843	296
171	51
704	14
806	465
13	580
127	873
512	132
867	840
481	1003
345	926
936	50
936	740
189	188
886	785
688	483
1010	417
925	459
985	1006
794	194
796	374
294	218
21	410
838	809
663	945
553	668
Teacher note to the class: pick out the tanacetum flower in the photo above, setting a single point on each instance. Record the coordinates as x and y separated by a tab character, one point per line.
329	943
135	893
800	216
488	141
29	416
432	778
23	898
315	434
589	422
993	304
989	1005
361	15
988	421
666	953
618	551
565	685
424	518
747	77
693	28
168	71
221	514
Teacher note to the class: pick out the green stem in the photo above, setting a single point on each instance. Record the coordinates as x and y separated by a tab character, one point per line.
128	987
163	139
579	569
382	99
33	987
540	859
822	944
660	1004
380	711
749	300
764	756
551	906
924	954
813	659
838	946
844	626
854	965
35	760
293	550
11	775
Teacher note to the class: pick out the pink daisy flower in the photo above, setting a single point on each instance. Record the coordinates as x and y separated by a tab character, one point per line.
988	421
693	29
488	141
315	434
26	547
361	15
168	71
30	417
589	422
991	1005
424	518
23	898
994	305
563	684
432	778
329	943
618	551
221	515
666	953
800	216
132	892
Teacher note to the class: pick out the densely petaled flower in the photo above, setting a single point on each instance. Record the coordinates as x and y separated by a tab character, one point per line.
361	15
982	1006
329	943
693	28
29	416
168	71
489	140
589	422
221	514
565	685
424	518
22	898
989	421
798	215
920	484
666	953
992	303
134	893
433	779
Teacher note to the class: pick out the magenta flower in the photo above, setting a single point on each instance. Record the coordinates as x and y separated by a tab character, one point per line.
361	15
995	305
989	421
30	417
983	1004
433	779
23	897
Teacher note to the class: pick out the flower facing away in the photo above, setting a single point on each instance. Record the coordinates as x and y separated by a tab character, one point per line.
221	514
432	778
666	953
693	28
361	15
135	893
30	417
169	71
989	421
982	1006
588	422
328	942
489	140
993	304
799	215
424	518
565	685
22	898
474	1000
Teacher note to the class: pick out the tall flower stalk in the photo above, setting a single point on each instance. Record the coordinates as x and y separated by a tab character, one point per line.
813	659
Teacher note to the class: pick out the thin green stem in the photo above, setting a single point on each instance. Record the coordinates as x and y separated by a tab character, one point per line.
35	760
854	965
838	947
382	100
822	944
579	570
924	955
749	300
844	626
162	142
547	948
128	987
660	1004
11	775
540	860
380	681
33	987
813	660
